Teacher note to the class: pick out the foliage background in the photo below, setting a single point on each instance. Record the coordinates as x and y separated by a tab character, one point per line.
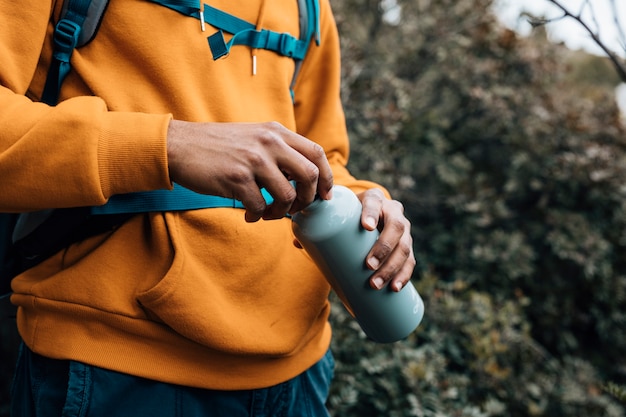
509	155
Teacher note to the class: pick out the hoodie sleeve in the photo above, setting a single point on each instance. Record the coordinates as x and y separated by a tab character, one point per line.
76	153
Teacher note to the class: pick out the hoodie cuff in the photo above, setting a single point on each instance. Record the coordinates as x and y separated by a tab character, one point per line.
132	153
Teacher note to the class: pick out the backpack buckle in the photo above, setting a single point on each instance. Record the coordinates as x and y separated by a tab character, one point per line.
66	38
287	44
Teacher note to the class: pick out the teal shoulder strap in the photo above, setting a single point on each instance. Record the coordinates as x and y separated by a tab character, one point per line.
177	199
309	12
245	33
80	20
78	24
40	234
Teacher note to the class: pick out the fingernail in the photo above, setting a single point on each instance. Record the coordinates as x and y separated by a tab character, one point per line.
397	286
373	262
378	282
370	222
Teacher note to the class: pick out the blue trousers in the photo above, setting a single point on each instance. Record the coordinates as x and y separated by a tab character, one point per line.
46	387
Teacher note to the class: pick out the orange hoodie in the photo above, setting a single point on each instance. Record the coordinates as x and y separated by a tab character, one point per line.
199	298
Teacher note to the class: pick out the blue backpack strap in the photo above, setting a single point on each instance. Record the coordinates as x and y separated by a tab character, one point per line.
309	12
40	234
179	198
81	18
78	24
245	33
186	7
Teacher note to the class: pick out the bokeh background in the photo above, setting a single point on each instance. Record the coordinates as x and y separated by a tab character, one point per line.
509	154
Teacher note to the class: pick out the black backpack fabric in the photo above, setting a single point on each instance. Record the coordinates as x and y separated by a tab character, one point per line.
8	257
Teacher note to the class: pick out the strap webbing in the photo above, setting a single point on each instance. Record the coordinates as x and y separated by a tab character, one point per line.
244	32
308	13
282	43
186	7
225	21
66	38
66	35
179	198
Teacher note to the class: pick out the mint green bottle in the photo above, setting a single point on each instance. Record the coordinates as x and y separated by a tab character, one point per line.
331	233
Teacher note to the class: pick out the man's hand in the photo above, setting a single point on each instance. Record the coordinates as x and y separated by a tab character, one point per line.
392	256
235	160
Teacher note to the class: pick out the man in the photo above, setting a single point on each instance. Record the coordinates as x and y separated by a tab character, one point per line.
196	312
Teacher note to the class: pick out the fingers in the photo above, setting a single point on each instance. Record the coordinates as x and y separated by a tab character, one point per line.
313	177
372	201
300	172
235	160
391	257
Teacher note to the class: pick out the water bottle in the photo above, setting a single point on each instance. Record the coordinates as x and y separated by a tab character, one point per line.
331	233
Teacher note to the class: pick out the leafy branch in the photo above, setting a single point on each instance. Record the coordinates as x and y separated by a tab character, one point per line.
616	391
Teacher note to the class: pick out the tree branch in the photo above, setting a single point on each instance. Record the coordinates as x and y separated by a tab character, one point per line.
618	63
618	24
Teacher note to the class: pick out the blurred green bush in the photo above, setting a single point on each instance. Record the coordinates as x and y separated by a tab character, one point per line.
511	166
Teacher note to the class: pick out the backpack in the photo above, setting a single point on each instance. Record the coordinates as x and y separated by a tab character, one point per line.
8	255
28	238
